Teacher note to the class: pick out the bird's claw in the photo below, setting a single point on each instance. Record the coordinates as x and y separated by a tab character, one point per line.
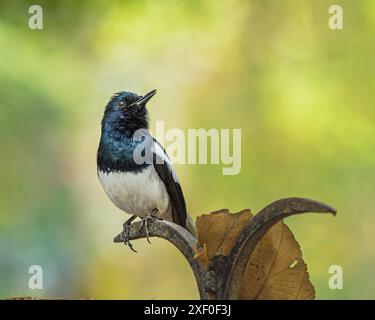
145	225
126	235
146	219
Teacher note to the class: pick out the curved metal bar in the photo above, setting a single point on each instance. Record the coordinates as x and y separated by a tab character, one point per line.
254	231
182	239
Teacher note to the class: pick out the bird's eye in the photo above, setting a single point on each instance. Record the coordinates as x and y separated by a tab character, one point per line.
121	103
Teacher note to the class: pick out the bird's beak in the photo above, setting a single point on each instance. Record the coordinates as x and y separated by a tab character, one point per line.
144	99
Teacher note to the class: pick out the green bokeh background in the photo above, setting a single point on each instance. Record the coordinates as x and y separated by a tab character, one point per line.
302	94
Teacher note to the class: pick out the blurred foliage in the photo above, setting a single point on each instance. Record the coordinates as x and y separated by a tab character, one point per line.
301	93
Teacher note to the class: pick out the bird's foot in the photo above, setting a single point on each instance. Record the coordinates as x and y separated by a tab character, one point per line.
126	231
145	221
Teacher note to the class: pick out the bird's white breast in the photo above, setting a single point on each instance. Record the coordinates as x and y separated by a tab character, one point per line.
136	193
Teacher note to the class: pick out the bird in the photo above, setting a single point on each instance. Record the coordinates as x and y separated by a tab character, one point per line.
133	167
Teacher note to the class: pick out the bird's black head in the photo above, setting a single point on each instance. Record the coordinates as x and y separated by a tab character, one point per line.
126	112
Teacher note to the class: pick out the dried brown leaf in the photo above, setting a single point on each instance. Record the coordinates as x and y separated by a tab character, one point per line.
218	231
275	270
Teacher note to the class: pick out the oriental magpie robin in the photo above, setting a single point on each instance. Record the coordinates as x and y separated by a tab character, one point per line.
140	188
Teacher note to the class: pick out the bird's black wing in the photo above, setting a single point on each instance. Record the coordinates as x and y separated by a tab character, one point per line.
168	176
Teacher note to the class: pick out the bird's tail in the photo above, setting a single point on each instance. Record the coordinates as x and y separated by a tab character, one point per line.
190	225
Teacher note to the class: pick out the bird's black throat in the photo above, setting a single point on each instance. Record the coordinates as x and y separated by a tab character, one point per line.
120	122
